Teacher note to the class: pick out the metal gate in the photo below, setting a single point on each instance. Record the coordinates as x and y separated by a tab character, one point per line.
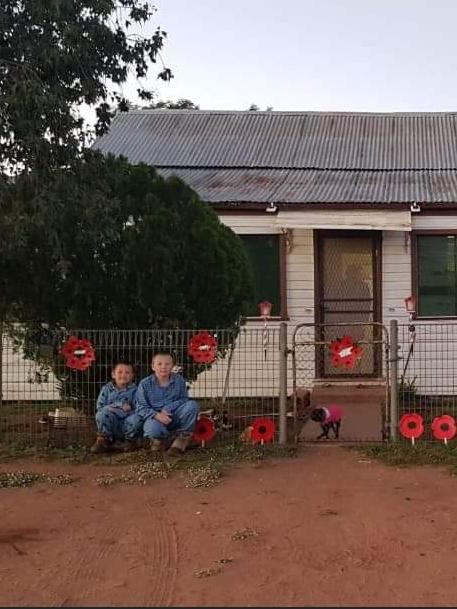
365	402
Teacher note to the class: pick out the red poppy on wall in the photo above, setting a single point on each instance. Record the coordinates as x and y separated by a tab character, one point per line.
78	353
444	428
204	431
202	348
263	430
411	426
345	353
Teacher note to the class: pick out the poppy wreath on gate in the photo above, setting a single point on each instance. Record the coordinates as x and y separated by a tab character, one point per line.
411	426
444	427
263	430
78	353
204	431
345	352
202	348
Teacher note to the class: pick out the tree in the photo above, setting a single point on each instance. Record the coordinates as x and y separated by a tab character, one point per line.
112	245
105	220
255	108
180	104
57	55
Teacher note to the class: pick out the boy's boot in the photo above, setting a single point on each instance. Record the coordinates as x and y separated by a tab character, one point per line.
130	444
155	445
101	445
179	445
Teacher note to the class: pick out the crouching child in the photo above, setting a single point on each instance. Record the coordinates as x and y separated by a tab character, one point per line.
163	405
115	417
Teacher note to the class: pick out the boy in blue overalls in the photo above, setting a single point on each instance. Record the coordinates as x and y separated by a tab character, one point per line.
115	417
163	405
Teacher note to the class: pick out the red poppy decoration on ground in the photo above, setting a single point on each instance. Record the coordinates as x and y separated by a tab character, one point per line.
444	428
411	426
204	431
78	353
345	352
202	348
263	430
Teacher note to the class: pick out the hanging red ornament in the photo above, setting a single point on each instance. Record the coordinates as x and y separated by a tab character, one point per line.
202	348
78	353
345	352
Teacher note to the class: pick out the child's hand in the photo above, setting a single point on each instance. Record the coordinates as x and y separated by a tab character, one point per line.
126	407
112	408
163	417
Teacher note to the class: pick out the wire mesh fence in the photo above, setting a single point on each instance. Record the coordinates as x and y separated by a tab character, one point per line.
43	401
427	383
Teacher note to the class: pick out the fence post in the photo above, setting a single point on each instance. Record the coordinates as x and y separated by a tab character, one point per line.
283	351
393	379
1	361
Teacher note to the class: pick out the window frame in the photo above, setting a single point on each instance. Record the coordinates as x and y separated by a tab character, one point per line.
282	247
415	266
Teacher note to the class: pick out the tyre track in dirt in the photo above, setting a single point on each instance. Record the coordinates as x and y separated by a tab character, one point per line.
146	558
160	559
87	564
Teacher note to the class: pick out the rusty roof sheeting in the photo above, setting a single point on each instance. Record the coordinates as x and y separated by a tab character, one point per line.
315	186
295	157
301	140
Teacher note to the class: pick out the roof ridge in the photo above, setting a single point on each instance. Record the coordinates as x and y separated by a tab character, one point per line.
307	168
289	112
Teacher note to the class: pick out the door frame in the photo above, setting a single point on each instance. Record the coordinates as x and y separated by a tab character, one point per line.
318	236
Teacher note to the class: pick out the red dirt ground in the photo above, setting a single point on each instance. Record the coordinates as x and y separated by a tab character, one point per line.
334	530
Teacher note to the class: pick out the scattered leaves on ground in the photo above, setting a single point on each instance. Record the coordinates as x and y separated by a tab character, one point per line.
203	476
202	573
139	473
244	534
23	479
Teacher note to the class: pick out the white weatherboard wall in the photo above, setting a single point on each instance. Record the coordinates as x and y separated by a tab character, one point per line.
250	374
438	375
434	362
20	377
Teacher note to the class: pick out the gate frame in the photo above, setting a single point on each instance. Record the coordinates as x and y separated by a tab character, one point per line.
388	420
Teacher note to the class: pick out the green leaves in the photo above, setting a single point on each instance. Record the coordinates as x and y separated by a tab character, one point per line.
107	244
56	55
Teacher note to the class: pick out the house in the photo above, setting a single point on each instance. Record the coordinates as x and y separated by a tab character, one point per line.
344	214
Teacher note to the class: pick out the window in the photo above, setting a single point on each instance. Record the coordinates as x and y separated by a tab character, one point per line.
436	275
264	253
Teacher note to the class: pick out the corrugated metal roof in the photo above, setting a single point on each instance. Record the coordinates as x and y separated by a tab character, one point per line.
317	186
299	140
295	157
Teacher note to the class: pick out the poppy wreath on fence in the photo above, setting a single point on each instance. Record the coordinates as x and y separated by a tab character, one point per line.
444	427
202	348
411	426
204	431
345	352
78	353
263	430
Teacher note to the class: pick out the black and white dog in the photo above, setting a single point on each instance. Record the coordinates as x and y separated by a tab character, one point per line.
329	418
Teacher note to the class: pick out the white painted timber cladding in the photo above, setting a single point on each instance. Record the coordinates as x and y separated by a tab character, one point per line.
19	378
396	286
300	304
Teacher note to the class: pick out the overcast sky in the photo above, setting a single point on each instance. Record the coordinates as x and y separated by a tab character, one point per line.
372	55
